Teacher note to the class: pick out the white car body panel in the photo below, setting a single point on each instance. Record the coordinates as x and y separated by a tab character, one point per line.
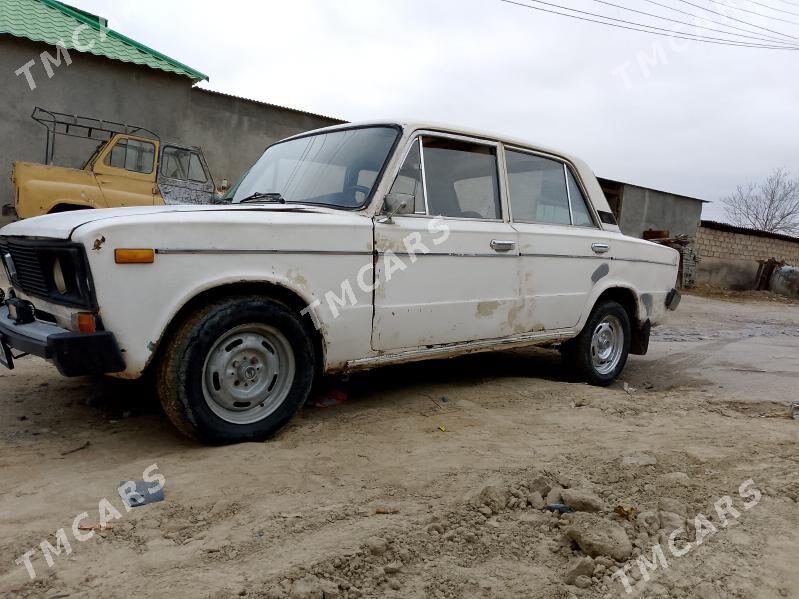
464	298
440	286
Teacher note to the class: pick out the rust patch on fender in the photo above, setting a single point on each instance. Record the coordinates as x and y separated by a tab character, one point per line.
297	279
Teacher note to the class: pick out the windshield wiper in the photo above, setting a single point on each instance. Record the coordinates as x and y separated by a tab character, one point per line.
264	197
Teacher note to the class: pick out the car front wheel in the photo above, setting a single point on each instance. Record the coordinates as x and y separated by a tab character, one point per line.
237	370
599	353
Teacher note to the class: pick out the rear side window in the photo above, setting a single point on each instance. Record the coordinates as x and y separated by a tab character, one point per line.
461	178
538	191
581	215
132	155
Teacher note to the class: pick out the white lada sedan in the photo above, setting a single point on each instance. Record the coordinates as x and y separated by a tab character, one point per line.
346	248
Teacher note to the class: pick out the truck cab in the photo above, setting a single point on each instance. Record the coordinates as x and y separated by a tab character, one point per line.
130	167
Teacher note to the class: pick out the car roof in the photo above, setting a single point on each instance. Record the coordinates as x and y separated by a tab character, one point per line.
411	125
595	193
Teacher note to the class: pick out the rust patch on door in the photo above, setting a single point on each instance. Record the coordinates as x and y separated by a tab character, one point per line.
487	308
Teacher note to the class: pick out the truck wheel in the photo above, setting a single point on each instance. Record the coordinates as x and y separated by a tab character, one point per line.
600	351
237	370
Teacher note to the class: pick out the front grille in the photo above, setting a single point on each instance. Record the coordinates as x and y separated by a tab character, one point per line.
28	263
34	262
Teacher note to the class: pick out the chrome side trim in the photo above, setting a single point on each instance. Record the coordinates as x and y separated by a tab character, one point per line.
643	261
245	251
526	255
451	254
183	251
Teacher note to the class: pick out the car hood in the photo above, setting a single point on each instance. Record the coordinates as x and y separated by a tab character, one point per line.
64	224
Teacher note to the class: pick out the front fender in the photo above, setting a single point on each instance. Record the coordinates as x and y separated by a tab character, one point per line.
40	188
140	355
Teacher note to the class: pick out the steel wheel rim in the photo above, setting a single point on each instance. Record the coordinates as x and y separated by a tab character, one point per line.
607	345
248	373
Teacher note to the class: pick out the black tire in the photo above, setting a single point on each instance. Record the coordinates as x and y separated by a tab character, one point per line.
577	352
181	369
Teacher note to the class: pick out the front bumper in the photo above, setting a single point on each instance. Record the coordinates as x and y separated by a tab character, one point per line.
74	354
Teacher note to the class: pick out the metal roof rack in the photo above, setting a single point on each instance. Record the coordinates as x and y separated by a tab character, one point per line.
70	125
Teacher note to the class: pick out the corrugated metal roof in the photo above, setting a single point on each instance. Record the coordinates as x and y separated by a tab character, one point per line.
54	23
671	193
261	103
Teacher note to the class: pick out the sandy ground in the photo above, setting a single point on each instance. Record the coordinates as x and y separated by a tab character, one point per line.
429	481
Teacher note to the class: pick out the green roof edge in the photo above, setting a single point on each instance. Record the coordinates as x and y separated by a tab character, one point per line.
192	73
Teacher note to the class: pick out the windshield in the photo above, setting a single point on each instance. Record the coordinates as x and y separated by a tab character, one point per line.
338	169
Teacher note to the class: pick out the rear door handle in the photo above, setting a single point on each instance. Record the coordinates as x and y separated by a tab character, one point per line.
502	246
600	248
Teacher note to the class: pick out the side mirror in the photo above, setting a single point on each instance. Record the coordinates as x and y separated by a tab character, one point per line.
396	203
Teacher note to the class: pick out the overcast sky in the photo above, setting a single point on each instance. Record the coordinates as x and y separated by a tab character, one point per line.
700	120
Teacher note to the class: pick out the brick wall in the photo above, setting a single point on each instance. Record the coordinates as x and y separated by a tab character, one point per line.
729	259
712	243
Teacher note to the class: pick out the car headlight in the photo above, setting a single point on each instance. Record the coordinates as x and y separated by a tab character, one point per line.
58	277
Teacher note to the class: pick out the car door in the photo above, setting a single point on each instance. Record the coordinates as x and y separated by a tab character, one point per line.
183	176
563	252
125	172
446	265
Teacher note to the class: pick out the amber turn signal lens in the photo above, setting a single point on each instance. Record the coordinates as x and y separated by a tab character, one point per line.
124	256
85	322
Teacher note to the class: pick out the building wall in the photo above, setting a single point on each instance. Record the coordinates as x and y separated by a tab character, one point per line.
232	131
643	209
730	260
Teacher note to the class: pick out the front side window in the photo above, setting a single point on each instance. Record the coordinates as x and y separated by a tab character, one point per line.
182	164
132	155
538	191
409	180
462	179
336	169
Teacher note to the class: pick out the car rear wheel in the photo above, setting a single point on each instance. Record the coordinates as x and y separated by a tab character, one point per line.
237	370
599	353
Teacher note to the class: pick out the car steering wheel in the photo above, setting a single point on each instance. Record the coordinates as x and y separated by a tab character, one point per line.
353	189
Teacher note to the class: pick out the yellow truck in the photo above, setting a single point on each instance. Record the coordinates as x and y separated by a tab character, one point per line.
130	167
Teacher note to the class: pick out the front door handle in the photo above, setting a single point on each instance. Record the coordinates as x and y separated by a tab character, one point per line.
600	248
502	246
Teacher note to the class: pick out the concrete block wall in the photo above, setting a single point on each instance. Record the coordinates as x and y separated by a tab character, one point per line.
730	259
712	243
233	132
